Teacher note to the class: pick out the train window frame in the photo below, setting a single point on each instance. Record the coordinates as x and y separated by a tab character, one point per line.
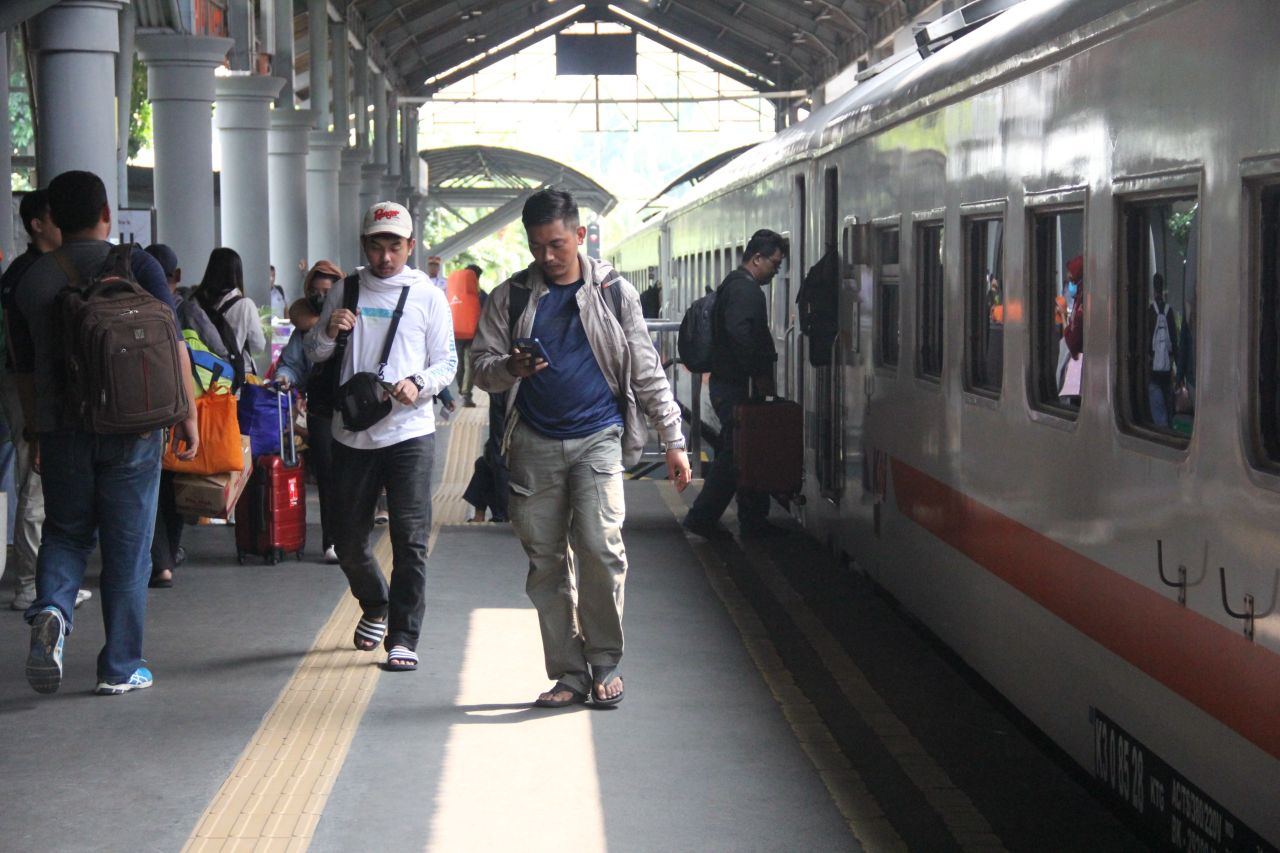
1048	411
1260	177
1129	193
886	276
972	214
922	222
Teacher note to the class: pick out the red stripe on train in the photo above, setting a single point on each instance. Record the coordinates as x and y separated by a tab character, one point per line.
1214	668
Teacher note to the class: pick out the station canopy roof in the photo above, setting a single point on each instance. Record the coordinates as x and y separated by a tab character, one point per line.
770	45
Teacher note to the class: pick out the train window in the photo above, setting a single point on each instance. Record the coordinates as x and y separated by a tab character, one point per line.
1158	281
1267	258
886	303
1056	299
929	295
984	297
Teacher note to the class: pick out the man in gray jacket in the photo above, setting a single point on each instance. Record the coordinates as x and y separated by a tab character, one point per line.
567	338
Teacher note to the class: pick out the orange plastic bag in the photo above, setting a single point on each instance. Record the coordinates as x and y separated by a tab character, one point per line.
219	437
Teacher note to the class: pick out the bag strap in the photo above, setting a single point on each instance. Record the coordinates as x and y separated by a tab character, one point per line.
226	306
518	298
69	269
391	333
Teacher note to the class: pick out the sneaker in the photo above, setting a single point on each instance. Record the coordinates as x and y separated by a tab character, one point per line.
380	517
140	680
179	556
82	595
714	530
330	555
44	661
23	598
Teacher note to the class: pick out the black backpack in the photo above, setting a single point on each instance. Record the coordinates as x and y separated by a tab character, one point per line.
818	304
694	342
322	382
518	298
235	354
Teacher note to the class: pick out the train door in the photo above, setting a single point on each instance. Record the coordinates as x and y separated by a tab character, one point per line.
789	344
829	380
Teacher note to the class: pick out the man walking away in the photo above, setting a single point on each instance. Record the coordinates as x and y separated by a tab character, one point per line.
463	291
97	486
398	341
579	393
742	353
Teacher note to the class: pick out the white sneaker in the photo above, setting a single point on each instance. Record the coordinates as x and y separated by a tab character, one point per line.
381	517
330	555
82	595
23	598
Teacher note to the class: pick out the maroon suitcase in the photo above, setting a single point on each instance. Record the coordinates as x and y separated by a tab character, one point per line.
768	446
271	515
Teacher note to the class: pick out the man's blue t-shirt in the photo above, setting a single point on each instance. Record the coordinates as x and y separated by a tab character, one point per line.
571	398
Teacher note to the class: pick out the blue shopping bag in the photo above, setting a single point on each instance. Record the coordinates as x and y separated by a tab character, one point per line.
259	412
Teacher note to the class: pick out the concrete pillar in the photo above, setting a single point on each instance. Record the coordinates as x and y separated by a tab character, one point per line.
395	128
324	164
124	102
8	239
75	45
318	31
341	82
287	146
180	86
349	212
381	123
360	97
282	60
370	186
243	120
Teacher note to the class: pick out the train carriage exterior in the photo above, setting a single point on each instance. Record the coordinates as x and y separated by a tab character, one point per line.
1018	522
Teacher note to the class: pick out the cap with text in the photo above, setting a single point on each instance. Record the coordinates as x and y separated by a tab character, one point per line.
387	217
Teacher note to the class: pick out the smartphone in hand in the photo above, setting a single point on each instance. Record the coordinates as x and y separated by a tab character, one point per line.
532	345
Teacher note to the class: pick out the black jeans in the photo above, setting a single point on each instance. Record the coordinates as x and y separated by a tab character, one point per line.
721	483
320	458
168	533
404	470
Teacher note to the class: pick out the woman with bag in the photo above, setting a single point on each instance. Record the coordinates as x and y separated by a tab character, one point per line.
234	316
292	372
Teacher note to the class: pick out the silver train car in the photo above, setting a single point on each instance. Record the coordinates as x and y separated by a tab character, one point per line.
1098	540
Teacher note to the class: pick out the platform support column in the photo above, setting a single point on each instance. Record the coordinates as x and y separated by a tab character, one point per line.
180	87
349	211
7	234
75	45
341	83
244	120
318	30
324	165
287	147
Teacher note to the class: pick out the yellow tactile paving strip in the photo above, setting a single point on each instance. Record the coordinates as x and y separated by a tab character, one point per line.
866	819
277	791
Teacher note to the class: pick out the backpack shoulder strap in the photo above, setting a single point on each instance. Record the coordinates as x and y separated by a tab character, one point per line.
226	306
391	332
351	292
614	294
517	301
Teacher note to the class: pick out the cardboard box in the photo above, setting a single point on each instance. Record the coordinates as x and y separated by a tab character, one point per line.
214	495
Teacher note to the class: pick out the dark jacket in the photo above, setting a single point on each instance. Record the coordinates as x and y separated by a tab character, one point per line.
741	344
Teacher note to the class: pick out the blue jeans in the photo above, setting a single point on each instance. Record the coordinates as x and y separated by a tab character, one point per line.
100	487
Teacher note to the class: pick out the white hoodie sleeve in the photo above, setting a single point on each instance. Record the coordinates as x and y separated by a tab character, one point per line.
442	357
317	344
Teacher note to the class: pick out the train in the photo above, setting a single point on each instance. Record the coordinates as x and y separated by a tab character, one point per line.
1092	528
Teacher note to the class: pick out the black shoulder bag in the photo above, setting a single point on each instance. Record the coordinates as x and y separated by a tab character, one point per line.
362	399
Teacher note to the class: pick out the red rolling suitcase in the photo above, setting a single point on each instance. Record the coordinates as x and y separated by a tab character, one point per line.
768	446
271	515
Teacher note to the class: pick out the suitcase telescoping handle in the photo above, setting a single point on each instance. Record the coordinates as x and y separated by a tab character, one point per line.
290	458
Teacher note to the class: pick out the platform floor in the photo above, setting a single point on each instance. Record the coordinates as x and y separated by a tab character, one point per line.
774	703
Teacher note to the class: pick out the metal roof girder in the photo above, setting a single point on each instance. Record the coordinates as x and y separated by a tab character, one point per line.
772	47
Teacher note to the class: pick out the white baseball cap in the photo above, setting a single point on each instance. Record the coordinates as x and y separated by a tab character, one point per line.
387	217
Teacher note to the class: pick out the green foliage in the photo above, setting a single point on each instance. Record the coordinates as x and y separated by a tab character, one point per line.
20	122
1180	227
500	255
139	111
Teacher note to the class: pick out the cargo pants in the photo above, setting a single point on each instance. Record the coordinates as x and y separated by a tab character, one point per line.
567	507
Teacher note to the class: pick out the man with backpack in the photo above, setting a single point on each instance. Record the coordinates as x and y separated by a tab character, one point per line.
742	353
98	425
386	331
1160	357
567	339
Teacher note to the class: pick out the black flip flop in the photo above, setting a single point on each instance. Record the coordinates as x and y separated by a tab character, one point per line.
603	676
577	697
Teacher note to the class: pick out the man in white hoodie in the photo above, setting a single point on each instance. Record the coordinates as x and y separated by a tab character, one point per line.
396	451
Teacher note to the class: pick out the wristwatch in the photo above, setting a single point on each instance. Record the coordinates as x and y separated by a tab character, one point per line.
419	382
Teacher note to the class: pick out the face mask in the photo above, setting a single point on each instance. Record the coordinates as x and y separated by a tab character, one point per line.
1072	287
316	301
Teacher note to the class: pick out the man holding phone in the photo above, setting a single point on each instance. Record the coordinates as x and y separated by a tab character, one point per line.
568	339
399	339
